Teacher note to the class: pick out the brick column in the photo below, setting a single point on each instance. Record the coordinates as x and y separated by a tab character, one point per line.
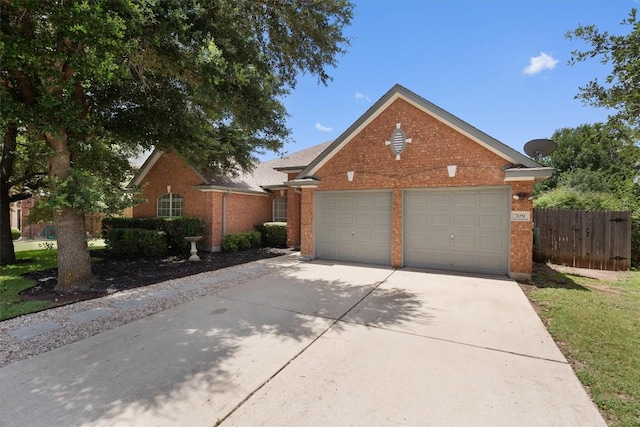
396	228
293	218
306	222
521	257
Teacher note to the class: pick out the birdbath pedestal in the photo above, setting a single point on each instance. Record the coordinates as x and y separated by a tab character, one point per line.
194	251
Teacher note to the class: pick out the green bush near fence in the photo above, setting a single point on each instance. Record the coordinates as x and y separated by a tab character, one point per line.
240	241
273	233
176	229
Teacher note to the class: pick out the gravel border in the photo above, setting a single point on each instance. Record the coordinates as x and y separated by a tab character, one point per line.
138	303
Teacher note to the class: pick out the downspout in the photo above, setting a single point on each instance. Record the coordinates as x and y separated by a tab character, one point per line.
224	213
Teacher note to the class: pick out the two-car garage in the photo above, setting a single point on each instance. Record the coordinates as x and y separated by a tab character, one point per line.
462	229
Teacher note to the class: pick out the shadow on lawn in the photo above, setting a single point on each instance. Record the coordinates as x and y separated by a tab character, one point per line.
546	277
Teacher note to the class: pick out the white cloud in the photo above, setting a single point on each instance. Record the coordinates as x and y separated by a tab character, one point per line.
539	63
323	128
362	97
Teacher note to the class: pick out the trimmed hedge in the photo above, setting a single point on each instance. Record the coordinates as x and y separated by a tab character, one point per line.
15	233
273	233
176	229
133	241
240	241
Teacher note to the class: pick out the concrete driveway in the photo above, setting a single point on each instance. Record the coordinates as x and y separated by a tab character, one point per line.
313	344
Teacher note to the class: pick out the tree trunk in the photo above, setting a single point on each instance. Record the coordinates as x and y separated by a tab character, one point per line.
74	262
7	253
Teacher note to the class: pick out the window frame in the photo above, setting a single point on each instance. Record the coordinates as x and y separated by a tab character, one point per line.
175	205
277	210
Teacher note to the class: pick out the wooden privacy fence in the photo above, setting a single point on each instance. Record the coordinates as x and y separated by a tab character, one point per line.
586	239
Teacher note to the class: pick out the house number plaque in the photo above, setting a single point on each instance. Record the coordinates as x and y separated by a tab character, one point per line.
521	216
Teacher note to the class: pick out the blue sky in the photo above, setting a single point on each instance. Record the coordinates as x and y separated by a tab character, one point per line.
469	57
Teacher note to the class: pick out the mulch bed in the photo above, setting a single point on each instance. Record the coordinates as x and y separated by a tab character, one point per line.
117	273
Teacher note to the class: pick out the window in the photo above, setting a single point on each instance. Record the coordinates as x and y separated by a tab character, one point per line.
169	205
280	209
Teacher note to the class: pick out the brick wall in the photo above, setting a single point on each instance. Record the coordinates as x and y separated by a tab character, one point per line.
243	211
422	164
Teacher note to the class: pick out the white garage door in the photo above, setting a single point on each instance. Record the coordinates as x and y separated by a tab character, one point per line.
353	226
460	230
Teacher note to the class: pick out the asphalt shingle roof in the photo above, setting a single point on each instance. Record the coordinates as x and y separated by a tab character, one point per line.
264	174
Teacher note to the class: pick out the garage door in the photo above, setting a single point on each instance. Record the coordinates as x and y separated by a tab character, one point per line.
460	230
353	226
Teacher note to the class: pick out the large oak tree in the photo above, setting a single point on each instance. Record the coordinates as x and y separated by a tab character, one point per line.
99	80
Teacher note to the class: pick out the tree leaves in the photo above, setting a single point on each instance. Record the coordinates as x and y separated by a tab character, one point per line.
619	92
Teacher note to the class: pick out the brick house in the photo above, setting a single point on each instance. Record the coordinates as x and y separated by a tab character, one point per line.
19	218
407	185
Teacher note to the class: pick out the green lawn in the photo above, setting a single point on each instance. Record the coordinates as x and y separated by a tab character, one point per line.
597	326
31	245
12	284
31	257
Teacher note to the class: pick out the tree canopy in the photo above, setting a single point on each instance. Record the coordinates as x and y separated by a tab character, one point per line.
619	91
98	81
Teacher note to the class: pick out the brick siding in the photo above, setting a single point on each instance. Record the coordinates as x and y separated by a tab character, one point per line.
423	164
243	211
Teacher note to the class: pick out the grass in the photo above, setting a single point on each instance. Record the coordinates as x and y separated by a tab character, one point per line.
11	284
597	326
31	245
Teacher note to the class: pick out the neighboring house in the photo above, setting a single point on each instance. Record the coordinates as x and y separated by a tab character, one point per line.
19	218
408	184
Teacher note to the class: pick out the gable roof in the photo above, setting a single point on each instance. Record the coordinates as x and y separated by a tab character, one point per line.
400	92
265	175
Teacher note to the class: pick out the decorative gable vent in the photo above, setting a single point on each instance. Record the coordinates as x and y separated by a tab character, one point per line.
398	141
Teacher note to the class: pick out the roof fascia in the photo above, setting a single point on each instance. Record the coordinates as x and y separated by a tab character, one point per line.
303	183
150	163
145	168
230	190
528	174
400	92
290	169
274	187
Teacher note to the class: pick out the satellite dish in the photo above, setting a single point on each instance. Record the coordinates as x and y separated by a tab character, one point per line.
538	148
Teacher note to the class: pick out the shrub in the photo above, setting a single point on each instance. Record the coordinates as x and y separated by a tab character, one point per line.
143	223
240	241
153	243
230	243
273	233
132	241
15	233
179	228
254	238
569	198
176	229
